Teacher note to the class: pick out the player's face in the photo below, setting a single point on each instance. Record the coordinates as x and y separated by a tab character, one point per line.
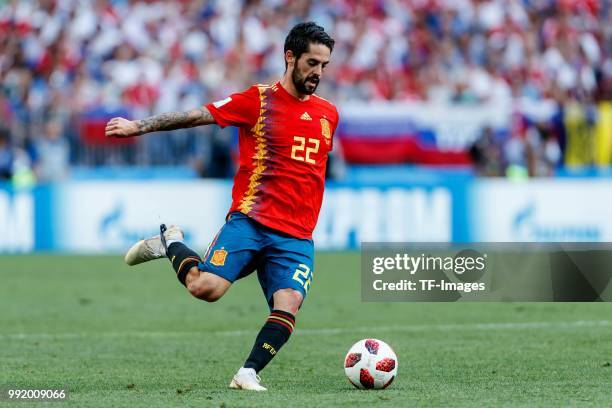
308	70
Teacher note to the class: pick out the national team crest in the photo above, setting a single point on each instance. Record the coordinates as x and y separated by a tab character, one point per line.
325	130
218	258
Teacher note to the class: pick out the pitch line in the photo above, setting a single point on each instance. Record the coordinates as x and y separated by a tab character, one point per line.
321	331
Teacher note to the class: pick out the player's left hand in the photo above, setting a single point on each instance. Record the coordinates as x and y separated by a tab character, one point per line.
121	127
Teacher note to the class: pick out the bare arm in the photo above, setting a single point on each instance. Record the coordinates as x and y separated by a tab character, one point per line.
121	127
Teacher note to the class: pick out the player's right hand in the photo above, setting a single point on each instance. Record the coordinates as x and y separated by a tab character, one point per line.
121	127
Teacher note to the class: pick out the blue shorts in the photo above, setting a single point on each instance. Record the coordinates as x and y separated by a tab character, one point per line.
244	245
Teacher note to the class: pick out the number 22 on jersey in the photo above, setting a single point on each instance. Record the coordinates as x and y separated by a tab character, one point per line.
303	148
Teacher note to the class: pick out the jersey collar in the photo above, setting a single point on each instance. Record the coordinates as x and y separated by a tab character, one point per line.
287	95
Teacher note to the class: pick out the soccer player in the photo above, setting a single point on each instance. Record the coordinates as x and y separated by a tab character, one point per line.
285	135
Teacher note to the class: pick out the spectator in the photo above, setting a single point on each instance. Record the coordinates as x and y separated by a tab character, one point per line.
543	151
6	155
486	155
159	56
53	153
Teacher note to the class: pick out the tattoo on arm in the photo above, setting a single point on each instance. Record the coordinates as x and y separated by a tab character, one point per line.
175	120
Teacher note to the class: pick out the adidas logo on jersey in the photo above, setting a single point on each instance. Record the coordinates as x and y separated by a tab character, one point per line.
305	116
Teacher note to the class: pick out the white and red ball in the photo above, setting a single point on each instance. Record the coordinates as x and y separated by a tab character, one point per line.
370	364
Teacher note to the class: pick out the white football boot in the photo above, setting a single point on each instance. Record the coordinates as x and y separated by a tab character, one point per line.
153	248
247	379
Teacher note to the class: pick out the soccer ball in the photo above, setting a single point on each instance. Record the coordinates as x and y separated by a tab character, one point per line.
370	364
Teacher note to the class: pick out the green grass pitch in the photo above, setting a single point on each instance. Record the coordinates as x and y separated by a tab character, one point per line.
119	336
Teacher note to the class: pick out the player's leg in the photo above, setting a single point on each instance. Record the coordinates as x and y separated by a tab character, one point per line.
272	336
205	285
285	276
185	261
229	257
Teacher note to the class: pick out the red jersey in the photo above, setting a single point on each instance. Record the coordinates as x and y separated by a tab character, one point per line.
283	144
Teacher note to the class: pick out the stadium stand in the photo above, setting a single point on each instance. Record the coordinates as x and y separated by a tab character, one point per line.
67	66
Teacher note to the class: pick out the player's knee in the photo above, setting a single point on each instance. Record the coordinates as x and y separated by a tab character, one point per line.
288	300
206	291
212	296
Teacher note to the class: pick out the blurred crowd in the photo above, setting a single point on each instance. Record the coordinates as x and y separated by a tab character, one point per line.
62	60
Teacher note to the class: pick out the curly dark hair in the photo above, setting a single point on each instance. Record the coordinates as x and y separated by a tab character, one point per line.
303	34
